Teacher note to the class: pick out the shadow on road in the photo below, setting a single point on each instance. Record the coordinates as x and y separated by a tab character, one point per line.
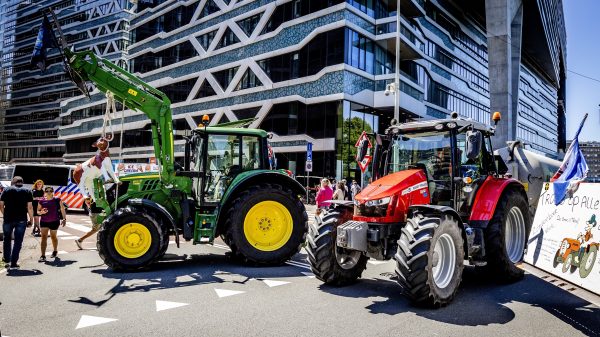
58	262
23	272
175	271
481	301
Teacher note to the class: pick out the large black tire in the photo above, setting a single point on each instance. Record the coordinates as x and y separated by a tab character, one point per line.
427	278
110	227
499	263
587	261
323	253
235	223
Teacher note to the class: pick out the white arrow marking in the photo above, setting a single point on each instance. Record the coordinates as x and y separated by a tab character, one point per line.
273	283
311	275
86	321
225	293
166	305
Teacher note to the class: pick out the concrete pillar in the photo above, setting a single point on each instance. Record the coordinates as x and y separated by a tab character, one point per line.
504	22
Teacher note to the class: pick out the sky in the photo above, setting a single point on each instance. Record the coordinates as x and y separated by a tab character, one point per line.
583	57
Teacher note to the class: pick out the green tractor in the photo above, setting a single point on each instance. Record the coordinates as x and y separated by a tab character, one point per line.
225	188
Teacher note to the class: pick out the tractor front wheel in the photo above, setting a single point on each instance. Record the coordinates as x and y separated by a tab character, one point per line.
266	224
506	237
129	240
587	261
430	259
330	263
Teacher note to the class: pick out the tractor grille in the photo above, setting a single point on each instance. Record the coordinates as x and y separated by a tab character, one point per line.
370	211
150	185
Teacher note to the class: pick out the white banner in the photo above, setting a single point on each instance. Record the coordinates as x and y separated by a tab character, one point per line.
124	169
564	239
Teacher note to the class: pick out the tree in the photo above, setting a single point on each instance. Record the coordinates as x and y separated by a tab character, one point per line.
353	128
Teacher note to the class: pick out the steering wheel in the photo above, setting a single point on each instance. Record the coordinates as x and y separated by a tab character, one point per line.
435	160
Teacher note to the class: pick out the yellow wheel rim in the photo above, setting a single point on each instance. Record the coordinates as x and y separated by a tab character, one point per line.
268	226
132	240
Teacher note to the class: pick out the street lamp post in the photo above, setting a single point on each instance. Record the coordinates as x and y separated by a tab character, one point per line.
395	87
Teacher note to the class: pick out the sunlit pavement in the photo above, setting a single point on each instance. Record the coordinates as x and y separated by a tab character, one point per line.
199	291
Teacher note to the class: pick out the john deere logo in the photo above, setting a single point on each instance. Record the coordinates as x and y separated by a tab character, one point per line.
132	92
546	186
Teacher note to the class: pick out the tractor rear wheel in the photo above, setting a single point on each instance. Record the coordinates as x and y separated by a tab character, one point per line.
587	261
330	263
430	259
506	237
129	240
266	224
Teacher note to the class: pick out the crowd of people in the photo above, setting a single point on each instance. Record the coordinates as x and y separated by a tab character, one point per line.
22	208
330	190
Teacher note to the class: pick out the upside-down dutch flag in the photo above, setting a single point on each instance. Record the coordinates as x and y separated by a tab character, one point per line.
572	171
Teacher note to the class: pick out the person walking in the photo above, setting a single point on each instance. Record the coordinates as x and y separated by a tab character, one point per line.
355	189
340	191
325	194
53	214
15	205
94	212
38	194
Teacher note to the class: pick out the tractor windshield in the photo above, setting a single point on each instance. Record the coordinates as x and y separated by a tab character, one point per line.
430	152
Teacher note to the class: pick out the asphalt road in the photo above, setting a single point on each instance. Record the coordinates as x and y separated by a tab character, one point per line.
199	291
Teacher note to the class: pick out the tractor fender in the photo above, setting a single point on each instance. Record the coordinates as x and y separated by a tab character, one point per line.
160	210
256	177
487	197
439	210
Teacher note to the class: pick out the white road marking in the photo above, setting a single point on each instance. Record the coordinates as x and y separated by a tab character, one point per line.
166	305
71	237
86	321
274	283
62	233
78	227
309	275
172	242
298	264
62	252
225	293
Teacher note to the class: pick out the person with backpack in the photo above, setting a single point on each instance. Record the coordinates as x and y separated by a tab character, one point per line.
53	215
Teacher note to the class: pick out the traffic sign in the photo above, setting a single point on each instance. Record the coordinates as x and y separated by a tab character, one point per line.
309	151
362	137
364	163
308	166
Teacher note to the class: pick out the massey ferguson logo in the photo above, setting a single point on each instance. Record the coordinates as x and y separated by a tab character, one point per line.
415	187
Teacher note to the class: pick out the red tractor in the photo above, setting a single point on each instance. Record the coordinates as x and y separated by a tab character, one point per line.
439	198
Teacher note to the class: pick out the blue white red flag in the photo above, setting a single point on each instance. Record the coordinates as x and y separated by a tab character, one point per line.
573	170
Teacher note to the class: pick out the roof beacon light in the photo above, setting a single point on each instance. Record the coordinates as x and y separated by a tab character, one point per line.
205	120
496	117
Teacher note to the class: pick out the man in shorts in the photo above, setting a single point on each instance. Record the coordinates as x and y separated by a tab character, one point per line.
94	212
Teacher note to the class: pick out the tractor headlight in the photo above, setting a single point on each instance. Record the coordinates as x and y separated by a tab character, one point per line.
378	202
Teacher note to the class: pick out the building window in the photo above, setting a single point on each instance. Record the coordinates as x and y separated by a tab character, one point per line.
206	90
209	8
227	39
249	24
167	22
249	80
360	53
224	77
293	118
178	91
151	61
295	9
323	50
206	39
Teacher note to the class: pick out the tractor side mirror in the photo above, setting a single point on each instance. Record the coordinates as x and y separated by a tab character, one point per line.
361	151
474	142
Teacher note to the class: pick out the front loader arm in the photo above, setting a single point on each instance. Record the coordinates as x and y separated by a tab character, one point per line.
135	94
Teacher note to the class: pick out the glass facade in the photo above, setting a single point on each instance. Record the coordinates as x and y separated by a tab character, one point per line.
316	71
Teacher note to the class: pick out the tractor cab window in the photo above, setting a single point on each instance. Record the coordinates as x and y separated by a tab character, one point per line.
429	151
474	168
222	164
250	153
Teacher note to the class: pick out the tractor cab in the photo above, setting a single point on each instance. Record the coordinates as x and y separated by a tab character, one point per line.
219	155
453	155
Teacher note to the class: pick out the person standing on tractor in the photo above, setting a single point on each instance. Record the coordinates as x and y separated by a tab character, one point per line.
38	194
15	205
53	214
